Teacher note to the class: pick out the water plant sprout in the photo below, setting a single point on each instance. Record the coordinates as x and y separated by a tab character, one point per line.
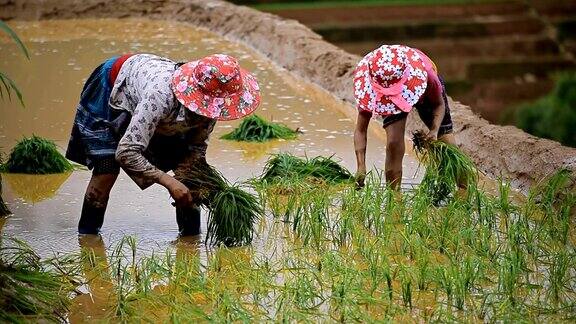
36	155
256	129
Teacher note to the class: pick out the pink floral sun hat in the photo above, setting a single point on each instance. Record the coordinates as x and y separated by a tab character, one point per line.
216	87
390	80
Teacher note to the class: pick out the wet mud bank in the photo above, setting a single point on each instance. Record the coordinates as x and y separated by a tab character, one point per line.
499	151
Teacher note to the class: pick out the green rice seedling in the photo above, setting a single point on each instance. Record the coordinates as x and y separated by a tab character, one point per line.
465	274
232	211
553	195
36	155
509	271
342	229
290	168
504	197
346	296
446	168
314	222
559	280
406	286
423	272
445	281
229	308
256	129
32	289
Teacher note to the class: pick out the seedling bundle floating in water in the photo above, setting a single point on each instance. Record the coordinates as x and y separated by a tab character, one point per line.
256	129
446	167
36	155
232	211
287	168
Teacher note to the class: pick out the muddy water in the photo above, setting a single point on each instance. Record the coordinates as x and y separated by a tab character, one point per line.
63	54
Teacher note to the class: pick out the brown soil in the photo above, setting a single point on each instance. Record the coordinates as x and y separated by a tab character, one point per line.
498	150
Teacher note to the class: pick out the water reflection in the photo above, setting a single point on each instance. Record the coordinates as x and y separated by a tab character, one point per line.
34	188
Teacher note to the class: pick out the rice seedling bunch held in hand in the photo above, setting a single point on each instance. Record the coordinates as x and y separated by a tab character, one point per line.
256	129
232	211
446	167
36	155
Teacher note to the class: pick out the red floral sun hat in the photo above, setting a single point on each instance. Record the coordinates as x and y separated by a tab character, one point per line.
390	80
216	87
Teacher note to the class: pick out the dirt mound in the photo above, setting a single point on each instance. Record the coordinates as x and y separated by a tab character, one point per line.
498	150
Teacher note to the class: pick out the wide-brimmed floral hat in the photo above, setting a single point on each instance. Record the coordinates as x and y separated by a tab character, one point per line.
390	80
216	87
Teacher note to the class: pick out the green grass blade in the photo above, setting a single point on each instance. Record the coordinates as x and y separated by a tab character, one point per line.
5	28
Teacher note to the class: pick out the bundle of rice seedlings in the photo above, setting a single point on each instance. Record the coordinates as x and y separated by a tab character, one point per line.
447	168
36	155
29	290
256	129
232	211
287	167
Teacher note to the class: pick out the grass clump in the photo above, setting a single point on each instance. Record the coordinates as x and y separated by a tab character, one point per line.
232	211
256	129
285	167
447	168
36	155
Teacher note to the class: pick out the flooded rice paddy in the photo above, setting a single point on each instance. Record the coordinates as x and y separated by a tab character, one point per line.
322	255
63	54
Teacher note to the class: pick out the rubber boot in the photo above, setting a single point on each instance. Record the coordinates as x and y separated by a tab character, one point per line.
188	220
91	219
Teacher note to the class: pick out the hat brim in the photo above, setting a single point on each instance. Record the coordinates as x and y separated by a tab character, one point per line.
230	107
415	86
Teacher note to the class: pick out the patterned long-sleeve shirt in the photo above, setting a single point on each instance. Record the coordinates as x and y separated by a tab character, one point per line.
143	88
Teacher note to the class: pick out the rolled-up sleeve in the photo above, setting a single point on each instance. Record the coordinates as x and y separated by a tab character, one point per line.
130	152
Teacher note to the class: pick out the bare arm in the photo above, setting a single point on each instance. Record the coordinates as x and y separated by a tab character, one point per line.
438	108
360	143
437	115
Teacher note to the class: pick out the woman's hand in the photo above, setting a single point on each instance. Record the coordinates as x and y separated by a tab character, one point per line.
432	135
179	192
